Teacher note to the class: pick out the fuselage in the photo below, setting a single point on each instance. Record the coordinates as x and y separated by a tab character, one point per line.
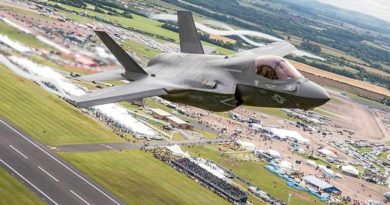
222	83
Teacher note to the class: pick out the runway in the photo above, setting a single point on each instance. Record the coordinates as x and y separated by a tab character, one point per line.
44	173
137	145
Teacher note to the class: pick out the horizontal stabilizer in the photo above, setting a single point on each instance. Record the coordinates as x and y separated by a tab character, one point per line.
124	92
280	48
130	65
189	39
103	76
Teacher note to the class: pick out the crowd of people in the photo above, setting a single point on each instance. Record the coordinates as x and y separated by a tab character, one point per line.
232	193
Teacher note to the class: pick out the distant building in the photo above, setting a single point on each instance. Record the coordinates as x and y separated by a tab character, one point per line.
320	185
173	120
160	114
179	123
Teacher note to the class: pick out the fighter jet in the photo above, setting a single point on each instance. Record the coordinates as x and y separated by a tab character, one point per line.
259	77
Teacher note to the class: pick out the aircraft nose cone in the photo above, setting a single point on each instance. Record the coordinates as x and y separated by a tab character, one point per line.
315	94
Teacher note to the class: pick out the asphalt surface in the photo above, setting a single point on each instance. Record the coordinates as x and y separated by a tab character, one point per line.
43	172
136	145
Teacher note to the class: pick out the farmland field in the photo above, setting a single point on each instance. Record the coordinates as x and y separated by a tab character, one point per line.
350	81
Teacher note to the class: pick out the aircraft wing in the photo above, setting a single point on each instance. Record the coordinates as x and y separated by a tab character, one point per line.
124	92
280	48
104	76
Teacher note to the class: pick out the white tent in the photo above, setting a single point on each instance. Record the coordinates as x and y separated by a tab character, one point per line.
387	195
338	175
176	150
327	171
255	126
311	163
246	145
301	151
327	153
288	134
322	167
350	170
285	167
274	153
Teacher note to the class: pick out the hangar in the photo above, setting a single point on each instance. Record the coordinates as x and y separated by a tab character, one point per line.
173	120
320	184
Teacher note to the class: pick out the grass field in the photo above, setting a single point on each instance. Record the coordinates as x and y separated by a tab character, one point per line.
149	102
138	178
367	102
269	111
206	134
16	35
14	192
256	173
177	136
46	117
138	22
140	49
24	11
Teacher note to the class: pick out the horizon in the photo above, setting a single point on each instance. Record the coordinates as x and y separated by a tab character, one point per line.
376	8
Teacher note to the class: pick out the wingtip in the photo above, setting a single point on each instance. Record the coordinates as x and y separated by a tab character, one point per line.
78	102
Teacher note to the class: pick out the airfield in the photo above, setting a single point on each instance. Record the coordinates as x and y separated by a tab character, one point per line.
54	153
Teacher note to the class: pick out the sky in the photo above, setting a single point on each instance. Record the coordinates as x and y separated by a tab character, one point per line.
376	8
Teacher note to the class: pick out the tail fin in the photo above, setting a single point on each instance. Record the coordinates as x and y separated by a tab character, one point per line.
133	70
189	39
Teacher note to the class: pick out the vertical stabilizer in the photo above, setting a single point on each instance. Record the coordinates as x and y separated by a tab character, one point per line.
189	39
133	70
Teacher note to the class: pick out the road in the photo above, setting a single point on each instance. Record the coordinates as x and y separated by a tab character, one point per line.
43	172
135	145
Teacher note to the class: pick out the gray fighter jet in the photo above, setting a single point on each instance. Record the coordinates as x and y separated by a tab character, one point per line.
258	77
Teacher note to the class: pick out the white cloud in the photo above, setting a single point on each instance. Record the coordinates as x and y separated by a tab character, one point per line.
377	8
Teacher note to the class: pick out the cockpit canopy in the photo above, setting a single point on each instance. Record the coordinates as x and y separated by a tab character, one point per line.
276	68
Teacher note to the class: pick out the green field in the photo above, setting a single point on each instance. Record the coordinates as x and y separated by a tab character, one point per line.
138	178
149	102
206	134
137	22
176	136
256	173
46	117
140	49
14	192
24	11
269	111
16	35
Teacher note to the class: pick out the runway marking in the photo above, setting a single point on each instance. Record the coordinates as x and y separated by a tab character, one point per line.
79	197
16	150
108	146
55	159
31	184
55	179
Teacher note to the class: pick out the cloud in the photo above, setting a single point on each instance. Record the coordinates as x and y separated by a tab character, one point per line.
376	8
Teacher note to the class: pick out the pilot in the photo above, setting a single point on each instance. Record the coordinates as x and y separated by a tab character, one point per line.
267	72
